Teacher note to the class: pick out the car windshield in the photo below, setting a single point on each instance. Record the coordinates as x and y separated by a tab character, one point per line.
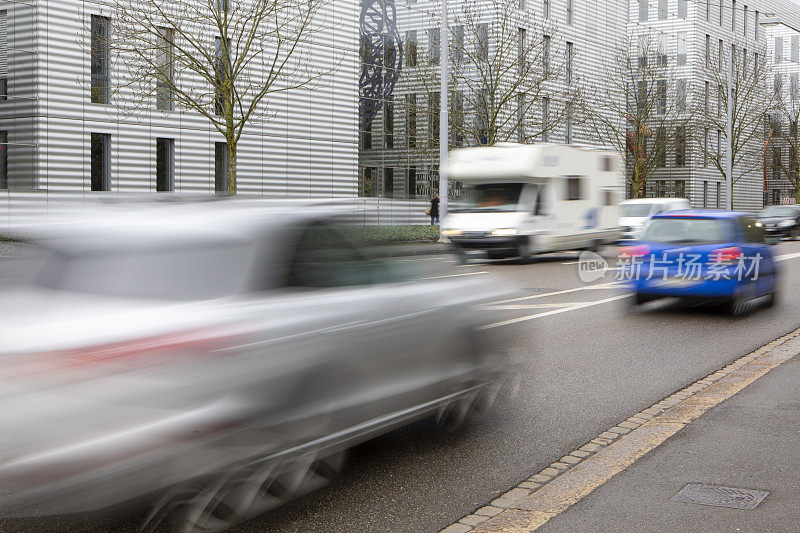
494	197
687	230
191	273
779	211
637	210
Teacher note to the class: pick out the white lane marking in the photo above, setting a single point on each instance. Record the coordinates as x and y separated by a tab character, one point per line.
553	312
517	307
787	257
606	286
458	275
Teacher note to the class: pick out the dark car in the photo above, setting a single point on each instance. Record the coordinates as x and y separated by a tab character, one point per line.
781	220
701	255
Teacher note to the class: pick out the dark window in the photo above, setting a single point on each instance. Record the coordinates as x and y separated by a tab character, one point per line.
482	45
388	182
221	168
607	163
220	75
101	71
3	55
3	89
101	165
609	198
411	182
166	53
433	119
3	160
680	146
388	124
411	48
368	185
575	188
366	137
165	165
434	49
411	120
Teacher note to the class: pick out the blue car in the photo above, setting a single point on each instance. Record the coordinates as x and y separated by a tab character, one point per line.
701	255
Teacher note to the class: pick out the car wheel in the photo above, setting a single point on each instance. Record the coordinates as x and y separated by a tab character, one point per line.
772	297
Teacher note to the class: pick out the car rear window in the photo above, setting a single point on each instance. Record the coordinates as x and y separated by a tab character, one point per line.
190	273
680	230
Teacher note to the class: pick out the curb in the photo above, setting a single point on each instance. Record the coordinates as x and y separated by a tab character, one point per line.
534	501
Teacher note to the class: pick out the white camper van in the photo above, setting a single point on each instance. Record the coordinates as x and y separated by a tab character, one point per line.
521	200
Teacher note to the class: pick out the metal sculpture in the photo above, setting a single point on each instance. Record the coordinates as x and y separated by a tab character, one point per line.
381	58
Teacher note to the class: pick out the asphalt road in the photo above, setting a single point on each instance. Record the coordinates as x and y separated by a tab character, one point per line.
586	363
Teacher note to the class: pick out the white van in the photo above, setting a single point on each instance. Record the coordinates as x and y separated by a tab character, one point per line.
634	213
521	200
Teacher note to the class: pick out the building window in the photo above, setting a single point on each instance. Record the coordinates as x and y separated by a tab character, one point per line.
778	84
546	55
570	53
546	8
733	15
221	168
388	182
721	55
776	162
165	165
3	55
644	7
718	196
219	77
411	48
545	119
366	137
708	10
521	117
662	9
568	124
778	49
3	160
522	38
434	46
569	12
458	44
100	61
482	42
744	21
411	182
795	48
719	144
794	86
682	8
662	49
680	95
411	120
661	147
368	188
388	124
705	147
165	75
705	194
757	23
661	97
433	118
721	12
708	51
101	162
681	56
705	98
680	146
458	118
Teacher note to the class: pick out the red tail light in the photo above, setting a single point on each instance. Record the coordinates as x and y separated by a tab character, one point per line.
627	252
726	255
140	352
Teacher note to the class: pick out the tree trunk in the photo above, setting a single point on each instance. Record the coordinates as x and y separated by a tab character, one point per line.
231	168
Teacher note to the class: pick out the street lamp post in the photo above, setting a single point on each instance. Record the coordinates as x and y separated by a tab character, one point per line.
729	131
444	123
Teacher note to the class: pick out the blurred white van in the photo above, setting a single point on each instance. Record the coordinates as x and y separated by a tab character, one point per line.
634	213
522	200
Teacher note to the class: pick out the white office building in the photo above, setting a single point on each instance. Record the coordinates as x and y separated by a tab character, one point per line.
59	142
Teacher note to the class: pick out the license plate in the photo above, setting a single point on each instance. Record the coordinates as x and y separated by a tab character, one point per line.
675	282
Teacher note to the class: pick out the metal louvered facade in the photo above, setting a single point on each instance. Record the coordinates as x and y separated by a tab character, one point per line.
307	148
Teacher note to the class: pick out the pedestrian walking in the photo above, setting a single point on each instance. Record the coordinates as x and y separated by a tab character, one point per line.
433	210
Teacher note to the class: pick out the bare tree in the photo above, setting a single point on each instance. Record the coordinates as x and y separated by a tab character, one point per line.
748	102
786	110
512	77
641	109
221	59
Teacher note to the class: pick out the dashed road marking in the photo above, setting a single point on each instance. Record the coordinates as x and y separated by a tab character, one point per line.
553	312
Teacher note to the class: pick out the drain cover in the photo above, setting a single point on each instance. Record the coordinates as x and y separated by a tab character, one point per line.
720	496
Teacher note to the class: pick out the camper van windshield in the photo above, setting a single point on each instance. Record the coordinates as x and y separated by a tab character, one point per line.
495	197
637	210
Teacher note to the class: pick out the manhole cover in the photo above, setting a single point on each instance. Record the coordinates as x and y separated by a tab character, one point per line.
720	496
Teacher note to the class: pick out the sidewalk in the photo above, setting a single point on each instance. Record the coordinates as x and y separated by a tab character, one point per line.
750	441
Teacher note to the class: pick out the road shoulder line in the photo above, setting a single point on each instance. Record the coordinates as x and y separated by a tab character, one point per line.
546	494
